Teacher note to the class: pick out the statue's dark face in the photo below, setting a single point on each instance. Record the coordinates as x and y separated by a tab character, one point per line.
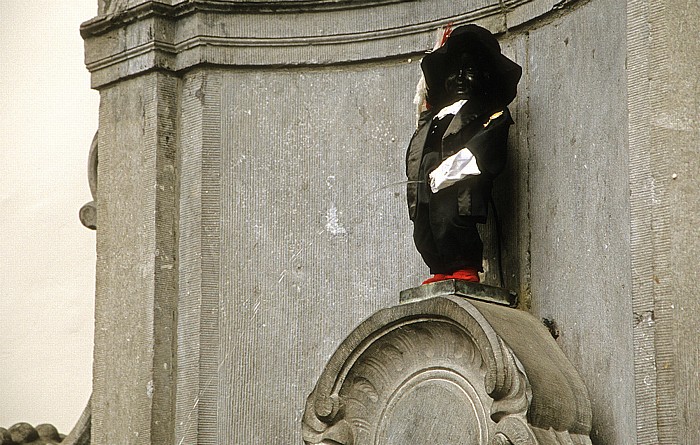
466	80
464	84
458	76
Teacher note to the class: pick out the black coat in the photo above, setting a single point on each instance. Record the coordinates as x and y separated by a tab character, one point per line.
485	137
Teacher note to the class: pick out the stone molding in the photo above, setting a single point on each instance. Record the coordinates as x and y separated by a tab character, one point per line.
157	35
475	372
115	6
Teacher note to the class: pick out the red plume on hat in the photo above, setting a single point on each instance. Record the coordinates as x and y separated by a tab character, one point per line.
443	35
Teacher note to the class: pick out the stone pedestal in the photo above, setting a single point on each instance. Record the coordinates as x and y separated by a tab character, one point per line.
449	369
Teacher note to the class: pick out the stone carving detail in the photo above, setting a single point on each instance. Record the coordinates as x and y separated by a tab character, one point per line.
24	433
46	434
88	212
425	372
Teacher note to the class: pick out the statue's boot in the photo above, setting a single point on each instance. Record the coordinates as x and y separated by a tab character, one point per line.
435	278
468	274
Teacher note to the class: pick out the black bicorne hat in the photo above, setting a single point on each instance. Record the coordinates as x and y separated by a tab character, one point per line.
482	48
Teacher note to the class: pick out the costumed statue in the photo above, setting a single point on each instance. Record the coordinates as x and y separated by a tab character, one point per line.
458	148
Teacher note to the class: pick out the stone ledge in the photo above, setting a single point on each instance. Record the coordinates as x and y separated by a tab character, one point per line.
460	288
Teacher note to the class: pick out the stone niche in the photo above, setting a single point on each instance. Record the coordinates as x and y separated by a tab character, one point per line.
250	213
448	368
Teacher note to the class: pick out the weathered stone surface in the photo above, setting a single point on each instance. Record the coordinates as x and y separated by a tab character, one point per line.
136	263
664	157
577	193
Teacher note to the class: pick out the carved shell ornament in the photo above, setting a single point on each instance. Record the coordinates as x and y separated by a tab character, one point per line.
420	377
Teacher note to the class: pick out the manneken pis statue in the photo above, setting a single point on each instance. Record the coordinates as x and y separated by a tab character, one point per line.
458	149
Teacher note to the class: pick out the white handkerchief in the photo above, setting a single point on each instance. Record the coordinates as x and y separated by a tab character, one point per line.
452	169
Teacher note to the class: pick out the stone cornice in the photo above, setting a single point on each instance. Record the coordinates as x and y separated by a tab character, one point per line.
156	35
243	6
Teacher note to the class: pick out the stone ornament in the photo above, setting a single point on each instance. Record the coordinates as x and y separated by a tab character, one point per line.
88	212
25	434
448	370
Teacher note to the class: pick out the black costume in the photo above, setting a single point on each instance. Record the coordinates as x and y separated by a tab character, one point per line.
445	231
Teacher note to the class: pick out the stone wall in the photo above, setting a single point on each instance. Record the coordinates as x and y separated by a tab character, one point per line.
664	153
292	210
570	165
251	211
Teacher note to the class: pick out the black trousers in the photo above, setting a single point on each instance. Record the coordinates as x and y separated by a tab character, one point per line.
446	240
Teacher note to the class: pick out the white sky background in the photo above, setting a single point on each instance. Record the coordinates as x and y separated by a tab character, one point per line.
48	115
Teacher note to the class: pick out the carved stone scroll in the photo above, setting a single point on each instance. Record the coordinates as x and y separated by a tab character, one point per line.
443	370
88	212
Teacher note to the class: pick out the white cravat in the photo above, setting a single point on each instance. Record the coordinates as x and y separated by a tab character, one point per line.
451	109
459	165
